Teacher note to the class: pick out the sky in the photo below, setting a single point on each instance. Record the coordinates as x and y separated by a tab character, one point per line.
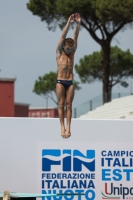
27	51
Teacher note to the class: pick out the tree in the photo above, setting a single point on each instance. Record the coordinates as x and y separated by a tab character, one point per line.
103	19
121	67
46	84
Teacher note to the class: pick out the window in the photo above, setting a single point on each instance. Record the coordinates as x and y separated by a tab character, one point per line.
45	114
35	114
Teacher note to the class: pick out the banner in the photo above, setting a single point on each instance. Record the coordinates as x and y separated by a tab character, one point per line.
100	170
96	160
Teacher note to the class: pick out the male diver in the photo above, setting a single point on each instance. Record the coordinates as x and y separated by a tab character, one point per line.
65	84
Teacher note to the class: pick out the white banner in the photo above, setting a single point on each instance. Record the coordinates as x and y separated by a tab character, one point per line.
97	159
100	170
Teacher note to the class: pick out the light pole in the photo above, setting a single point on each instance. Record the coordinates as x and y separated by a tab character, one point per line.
131	87
46	106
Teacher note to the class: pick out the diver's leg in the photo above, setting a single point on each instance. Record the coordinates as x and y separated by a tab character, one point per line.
69	99
60	93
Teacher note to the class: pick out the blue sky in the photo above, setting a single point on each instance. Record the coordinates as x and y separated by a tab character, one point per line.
28	51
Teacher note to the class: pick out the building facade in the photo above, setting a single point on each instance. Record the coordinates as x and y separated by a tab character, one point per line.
43	112
8	108
7	97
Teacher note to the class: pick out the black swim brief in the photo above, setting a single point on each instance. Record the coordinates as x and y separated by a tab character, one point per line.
65	83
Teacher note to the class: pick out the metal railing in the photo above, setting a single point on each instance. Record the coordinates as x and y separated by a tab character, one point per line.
94	103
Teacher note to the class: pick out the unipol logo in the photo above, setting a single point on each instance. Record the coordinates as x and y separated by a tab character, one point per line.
69	160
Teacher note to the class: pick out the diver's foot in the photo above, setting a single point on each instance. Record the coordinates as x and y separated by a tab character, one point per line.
63	134
68	133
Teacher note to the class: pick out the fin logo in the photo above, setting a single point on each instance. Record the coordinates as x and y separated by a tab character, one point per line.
68	159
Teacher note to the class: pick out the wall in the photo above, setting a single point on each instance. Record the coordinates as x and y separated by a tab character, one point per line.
41	113
6	99
21	110
20	137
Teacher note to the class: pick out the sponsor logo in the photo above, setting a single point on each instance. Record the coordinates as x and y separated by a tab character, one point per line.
111	191
68	171
117	171
71	160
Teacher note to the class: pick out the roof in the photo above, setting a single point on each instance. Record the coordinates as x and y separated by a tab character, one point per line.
41	108
22	104
8	79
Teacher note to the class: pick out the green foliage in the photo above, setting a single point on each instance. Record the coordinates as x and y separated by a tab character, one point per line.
96	12
121	67
114	10
90	67
46	85
103	19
